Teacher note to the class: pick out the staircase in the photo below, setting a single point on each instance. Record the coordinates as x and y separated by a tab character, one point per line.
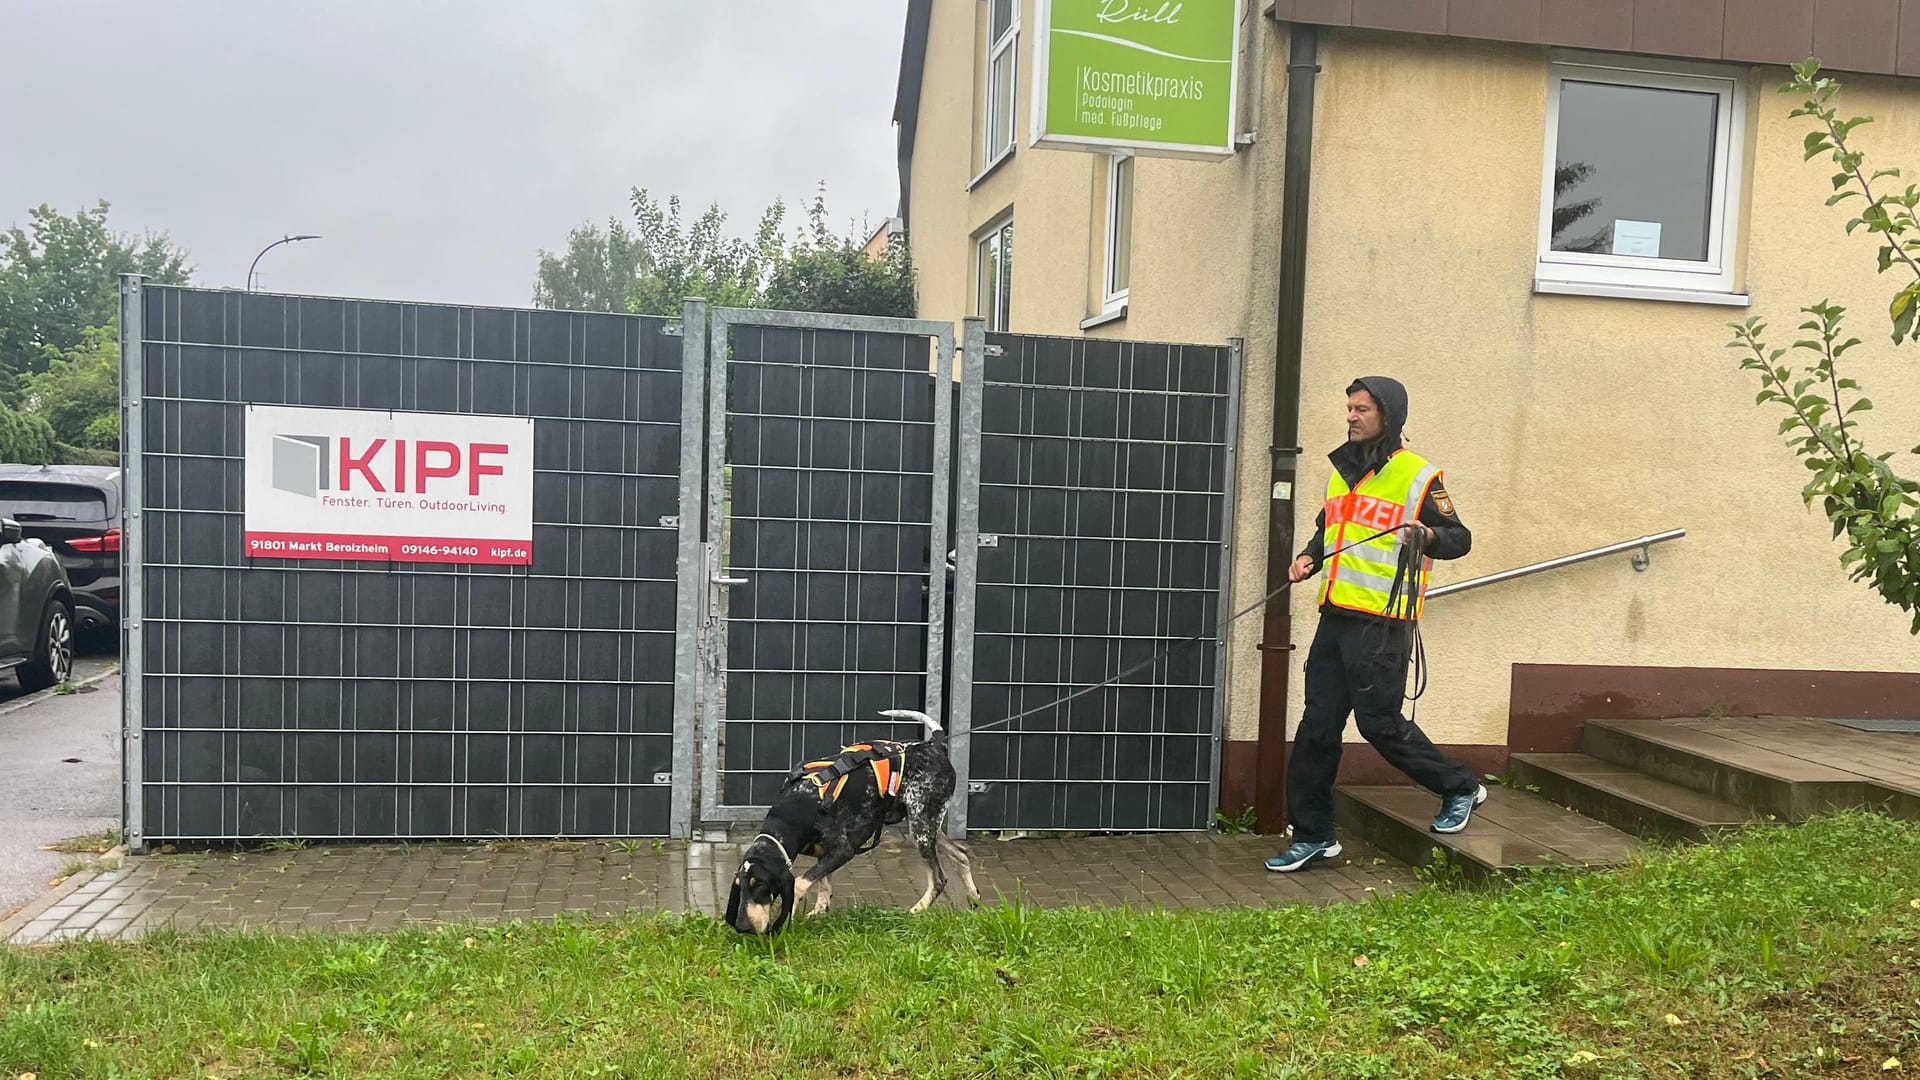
1640	781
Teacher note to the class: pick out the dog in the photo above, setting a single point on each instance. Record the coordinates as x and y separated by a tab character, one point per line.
836	809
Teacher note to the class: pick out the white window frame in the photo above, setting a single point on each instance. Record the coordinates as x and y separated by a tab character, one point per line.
1707	281
1008	45
1002	314
1113	299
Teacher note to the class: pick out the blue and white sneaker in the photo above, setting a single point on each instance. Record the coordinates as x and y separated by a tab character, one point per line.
1457	810
1302	853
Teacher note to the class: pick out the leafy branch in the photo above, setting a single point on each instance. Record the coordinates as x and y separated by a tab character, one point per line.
1891	216
1867	500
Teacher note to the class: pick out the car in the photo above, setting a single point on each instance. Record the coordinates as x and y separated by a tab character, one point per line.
75	510
36	611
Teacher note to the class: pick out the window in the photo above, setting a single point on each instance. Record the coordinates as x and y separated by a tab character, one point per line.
1641	183
994	271
1119	230
1003	33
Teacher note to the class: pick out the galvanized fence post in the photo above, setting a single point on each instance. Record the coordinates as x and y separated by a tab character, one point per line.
966	542
690	591
1228	481
133	551
939	530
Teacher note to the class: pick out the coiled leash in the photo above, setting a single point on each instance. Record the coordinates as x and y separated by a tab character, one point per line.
1417	542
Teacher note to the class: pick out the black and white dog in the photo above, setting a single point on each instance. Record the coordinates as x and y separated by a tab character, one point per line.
835	814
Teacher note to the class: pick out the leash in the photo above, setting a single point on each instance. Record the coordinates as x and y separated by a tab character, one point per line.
1217	635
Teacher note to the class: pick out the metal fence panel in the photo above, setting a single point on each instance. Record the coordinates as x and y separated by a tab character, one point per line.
829	447
349	699
1100	477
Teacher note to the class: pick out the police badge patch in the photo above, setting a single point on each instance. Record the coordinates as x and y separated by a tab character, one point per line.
1441	500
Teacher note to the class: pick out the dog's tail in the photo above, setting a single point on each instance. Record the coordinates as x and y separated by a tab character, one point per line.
931	725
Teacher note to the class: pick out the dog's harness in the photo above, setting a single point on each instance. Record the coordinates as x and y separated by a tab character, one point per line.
829	776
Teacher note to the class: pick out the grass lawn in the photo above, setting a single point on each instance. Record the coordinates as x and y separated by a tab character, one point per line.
1785	952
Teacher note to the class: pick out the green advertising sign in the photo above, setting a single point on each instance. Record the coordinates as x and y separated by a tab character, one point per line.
1154	76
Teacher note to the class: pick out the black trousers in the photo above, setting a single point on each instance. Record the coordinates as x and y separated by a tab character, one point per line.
1358	665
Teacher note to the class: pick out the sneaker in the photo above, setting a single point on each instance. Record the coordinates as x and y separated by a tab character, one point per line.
1457	810
1302	853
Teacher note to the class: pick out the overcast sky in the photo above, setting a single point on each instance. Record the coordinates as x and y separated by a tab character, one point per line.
436	145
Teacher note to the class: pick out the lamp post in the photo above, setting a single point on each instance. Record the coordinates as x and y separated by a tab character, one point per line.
270	247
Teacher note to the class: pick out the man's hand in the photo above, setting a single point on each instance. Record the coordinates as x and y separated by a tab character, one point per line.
1426	529
1301	569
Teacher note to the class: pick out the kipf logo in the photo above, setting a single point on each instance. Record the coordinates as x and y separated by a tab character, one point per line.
300	464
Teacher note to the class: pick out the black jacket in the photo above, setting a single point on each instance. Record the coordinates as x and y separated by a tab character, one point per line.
1451	539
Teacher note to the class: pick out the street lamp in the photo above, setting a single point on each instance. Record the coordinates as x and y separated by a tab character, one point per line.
270	247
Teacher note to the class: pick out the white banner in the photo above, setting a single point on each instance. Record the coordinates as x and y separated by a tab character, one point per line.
388	486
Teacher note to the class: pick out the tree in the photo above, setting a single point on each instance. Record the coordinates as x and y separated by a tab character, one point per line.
596	273
79	393
1871	504
60	277
824	272
25	438
650	267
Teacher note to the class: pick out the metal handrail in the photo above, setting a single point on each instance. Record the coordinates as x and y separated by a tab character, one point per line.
1641	560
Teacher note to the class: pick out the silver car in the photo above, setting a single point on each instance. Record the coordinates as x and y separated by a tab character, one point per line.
36	611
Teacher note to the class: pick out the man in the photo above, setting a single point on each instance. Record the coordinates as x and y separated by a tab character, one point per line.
1370	602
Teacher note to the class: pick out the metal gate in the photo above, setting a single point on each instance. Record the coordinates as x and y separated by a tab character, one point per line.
828	470
1093	535
329	699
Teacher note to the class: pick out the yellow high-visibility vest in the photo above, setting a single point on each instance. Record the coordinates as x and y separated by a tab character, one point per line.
1361	579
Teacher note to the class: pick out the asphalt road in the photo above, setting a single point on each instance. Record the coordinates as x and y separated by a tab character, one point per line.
44	797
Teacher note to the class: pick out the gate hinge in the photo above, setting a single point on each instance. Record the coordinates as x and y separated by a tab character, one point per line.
663	778
976	787
996	350
991	540
673	329
669	521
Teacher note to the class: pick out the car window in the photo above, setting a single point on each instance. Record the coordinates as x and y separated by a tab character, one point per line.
26	500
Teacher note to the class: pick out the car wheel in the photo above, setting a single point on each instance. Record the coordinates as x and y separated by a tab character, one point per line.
52	662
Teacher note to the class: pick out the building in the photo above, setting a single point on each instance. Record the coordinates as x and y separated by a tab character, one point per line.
882	238
1388	206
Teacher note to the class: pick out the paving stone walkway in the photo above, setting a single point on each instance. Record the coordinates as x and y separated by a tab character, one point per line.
382	887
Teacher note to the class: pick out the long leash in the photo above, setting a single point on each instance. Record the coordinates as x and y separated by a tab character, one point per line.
1218	635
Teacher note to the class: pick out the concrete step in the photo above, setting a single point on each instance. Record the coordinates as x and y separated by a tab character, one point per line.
1754	778
1512	830
1630	801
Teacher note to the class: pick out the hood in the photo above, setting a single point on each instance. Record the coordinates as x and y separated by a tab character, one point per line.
1355	460
1393	402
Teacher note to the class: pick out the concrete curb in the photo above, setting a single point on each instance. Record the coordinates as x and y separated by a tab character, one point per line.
19	703
18	920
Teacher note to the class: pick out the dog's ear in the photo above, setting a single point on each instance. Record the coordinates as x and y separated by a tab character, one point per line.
786	902
733	903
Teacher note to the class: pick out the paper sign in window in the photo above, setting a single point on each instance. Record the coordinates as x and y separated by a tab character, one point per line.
1640	238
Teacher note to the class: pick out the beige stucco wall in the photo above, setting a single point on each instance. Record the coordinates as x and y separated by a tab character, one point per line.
1565	423
1205	249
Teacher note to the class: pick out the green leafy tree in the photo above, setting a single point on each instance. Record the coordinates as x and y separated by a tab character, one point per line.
25	438
824	272
60	278
596	272
79	393
650	266
1871	503
663	259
